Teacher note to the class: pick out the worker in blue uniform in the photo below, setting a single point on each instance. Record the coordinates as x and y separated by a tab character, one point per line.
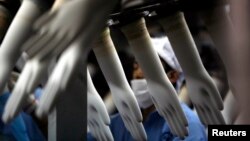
156	127
22	128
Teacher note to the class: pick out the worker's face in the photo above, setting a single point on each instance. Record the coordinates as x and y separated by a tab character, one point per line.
139	86
138	74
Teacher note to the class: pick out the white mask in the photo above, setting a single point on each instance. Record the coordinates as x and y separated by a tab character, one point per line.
139	86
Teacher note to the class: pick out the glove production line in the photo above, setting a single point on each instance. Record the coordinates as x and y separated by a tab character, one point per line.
48	43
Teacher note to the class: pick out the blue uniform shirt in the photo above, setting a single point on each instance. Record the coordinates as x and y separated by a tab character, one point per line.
157	129
22	128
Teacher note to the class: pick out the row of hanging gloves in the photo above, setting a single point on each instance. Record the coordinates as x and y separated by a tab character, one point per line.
68	31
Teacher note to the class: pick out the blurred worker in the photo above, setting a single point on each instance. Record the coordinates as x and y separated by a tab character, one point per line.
155	126
22	128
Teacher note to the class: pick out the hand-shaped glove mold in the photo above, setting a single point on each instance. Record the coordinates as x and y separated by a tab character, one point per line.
57	29
98	118
231	38
44	49
59	78
122	94
17	33
202	91
29	79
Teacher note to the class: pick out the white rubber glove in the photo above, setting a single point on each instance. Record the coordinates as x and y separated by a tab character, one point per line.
123	96
98	118
17	33
29	79
162	91
202	90
59	28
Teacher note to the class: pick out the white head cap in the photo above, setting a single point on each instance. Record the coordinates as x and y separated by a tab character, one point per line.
165	51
